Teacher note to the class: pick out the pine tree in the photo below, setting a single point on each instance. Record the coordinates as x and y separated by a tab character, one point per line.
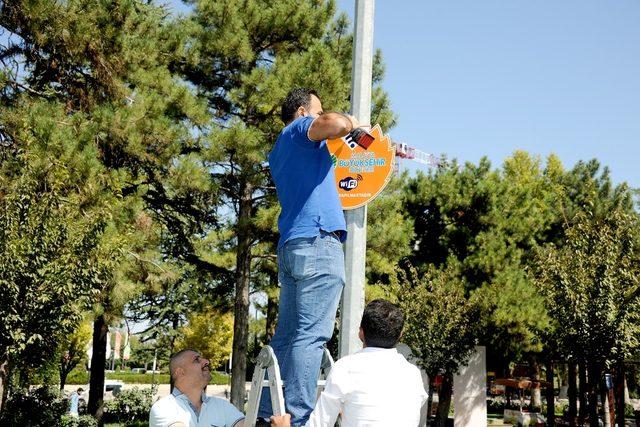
244	58
102	71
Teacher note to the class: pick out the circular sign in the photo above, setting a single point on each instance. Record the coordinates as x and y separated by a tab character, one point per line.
361	173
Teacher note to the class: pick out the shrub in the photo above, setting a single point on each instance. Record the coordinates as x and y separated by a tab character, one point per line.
82	421
495	406
81	378
629	412
78	376
129	405
42	406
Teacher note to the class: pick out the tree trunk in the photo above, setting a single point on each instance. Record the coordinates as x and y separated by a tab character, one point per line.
551	407
536	395
98	359
573	393
430	397
63	378
4	375
241	308
619	380
592	390
175	324
582	392
272	307
444	401
606	414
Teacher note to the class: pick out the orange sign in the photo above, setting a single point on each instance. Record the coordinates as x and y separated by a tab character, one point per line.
361	174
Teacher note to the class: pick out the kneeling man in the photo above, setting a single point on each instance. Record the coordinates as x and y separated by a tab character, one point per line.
188	405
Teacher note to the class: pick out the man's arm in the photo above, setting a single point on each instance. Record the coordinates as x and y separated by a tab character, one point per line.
331	400
331	125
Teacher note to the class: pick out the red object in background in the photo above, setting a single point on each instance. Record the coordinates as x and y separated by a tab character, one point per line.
437	381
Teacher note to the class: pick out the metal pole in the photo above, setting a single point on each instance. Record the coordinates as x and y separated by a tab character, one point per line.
352	303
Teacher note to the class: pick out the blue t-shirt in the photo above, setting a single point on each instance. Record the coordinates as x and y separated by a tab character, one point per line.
305	182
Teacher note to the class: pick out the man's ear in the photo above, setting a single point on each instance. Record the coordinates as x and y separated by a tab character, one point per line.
301	112
361	335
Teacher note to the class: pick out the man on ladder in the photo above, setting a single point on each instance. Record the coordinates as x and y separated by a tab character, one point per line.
310	256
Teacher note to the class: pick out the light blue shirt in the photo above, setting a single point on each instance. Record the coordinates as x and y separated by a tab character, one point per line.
74	403
305	182
177	407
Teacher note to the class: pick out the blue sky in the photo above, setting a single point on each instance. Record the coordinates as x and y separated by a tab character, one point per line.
472	78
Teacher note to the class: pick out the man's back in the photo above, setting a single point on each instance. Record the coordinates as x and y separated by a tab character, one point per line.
374	387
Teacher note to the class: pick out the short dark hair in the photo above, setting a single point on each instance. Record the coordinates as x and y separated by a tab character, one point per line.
382	323
296	98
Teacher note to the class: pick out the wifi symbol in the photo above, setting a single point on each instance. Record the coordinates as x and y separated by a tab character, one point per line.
359	177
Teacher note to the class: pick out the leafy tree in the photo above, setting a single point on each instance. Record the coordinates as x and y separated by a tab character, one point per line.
210	332
487	222
592	292
102	70
440	326
73	350
48	270
389	232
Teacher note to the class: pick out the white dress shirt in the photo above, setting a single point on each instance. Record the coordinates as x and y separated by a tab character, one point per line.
373	387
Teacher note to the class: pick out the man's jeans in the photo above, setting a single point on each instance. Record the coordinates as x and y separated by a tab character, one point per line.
311	275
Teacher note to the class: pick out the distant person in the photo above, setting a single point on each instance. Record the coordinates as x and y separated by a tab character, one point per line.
375	387
74	400
310	255
188	405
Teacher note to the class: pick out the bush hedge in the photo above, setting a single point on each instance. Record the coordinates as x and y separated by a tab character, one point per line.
129	406
82	378
43	406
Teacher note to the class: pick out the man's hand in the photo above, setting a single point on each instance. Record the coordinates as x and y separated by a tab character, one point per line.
281	420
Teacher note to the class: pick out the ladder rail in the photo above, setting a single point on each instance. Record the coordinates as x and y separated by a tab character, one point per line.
267	363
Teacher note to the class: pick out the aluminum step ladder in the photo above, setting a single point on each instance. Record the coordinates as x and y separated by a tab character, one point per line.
267	363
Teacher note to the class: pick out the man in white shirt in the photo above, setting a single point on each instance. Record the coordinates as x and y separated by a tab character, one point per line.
375	386
188	405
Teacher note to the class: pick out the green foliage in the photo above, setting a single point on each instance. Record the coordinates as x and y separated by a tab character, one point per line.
389	232
49	270
484	224
81	377
73	349
629	411
81	421
210	332
42	406
440	321
591	287
129	405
